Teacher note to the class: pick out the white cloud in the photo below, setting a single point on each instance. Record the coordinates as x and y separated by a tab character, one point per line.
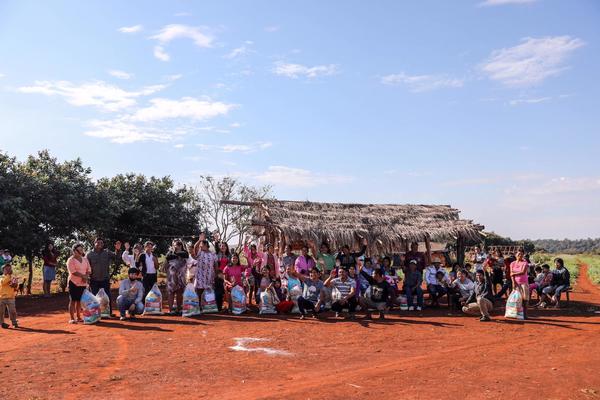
489	3
236	148
174	77
120	74
176	31
296	177
179	146
530	62
235	125
186	107
131	29
534	100
238	52
272	28
422	83
97	93
159	52
120	131
298	70
2	75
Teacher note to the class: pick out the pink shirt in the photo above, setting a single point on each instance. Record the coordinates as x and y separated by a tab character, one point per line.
517	266
304	265
83	267
235	272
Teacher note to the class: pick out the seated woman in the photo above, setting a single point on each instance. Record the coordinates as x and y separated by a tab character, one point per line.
561	281
542	281
462	288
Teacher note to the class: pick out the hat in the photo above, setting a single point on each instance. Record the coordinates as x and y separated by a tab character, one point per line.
133	271
413	262
436	262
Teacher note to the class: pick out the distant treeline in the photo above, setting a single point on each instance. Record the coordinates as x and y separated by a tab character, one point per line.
568	246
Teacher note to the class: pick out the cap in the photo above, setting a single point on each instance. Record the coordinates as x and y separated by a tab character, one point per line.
133	271
413	262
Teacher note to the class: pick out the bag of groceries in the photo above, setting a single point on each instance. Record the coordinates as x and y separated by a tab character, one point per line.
90	307
514	306
295	292
191	303
209	301
104	302
238	300
153	305
267	303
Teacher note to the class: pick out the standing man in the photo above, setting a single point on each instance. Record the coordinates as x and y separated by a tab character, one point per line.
148	264
100	260
414	255
479	258
519	273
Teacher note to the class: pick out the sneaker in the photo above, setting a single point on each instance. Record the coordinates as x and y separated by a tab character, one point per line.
337	314
302	317
411	308
123	319
419	308
15	324
485	319
72	321
4	326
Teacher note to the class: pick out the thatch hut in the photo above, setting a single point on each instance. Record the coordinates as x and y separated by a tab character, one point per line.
389	228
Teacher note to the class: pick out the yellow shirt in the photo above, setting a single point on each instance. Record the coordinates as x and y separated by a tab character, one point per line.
7	291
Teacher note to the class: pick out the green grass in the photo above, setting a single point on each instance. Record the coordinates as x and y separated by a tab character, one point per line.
593	262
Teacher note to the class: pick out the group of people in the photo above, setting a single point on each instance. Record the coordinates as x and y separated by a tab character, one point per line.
313	281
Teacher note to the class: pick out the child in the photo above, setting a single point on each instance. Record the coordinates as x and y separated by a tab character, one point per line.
233	276
8	291
220	289
284	303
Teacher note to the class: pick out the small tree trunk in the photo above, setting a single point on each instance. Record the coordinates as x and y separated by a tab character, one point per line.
30	277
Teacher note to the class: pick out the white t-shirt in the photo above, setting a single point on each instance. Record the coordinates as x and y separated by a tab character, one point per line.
149	260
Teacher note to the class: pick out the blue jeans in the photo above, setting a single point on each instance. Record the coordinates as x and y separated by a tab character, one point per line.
410	292
124	303
555	290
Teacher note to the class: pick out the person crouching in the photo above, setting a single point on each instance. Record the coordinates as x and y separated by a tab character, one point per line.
131	295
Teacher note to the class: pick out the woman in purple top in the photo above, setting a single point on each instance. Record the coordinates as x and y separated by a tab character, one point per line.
305	262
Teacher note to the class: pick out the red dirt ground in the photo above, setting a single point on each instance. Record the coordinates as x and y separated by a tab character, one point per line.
429	355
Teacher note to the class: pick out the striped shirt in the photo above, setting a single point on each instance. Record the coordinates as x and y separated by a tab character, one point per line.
341	288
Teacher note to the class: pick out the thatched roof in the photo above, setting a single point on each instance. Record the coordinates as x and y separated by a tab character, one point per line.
388	226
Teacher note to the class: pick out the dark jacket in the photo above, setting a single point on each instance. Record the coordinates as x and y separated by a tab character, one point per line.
482	289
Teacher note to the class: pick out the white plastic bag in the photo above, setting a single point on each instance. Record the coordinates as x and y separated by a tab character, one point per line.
153	304
403	300
191	303
209	302
514	306
90	307
104	302
295	292
238	300
267	304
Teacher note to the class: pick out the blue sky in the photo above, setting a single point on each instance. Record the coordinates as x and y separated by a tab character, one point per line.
488	105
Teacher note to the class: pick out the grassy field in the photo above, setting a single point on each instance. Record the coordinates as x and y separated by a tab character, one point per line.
593	262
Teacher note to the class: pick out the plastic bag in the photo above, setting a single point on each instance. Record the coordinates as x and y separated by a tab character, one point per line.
238	300
153	304
403	300
267	305
295	292
90	307
104	302
191	303
514	306
209	302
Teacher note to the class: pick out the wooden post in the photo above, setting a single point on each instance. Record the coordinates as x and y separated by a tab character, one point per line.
460	251
428	252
